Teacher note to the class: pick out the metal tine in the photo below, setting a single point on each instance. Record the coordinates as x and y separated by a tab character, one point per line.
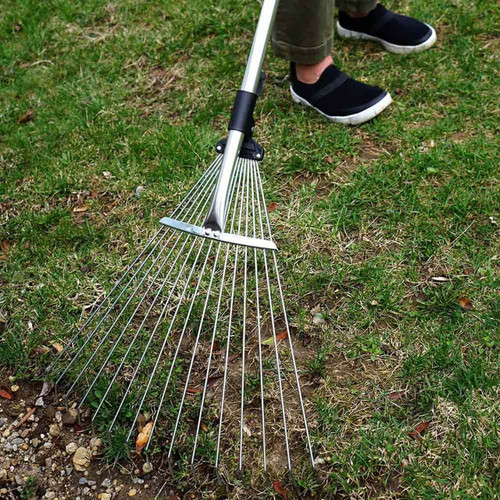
172	322
287	326
188	376
230	321
116	342
172	365
163	311
243	333
216	321
101	342
157	324
207	297
273	326
124	358
94	331
196	342
259	325
210	173
195	208
142	357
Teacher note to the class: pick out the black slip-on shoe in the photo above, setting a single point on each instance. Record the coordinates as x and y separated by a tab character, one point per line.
339	98
397	33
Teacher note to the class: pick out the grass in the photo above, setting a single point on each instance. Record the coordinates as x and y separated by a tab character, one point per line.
398	219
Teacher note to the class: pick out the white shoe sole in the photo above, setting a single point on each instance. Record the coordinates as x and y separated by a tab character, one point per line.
354	119
391	47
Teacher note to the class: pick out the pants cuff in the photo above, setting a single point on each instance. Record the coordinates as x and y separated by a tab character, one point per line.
356	6
302	55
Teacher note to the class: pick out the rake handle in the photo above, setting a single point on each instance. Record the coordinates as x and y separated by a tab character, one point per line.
241	117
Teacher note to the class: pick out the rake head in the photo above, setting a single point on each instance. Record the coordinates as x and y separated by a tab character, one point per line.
194	339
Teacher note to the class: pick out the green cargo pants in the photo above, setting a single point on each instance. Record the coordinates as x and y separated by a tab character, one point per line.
303	30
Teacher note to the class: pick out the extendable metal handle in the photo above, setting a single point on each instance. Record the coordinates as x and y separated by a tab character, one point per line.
214	222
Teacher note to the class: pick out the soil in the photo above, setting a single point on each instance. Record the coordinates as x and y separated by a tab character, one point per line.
36	454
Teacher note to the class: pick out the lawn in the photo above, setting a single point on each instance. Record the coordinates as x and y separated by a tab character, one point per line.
389	230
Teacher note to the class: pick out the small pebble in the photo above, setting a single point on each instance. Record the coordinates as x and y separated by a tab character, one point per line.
95	442
39	402
138	191
132	492
318	319
71	448
147	467
54	430
70	417
81	459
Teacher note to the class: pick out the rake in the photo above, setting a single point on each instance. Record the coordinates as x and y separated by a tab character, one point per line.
194	338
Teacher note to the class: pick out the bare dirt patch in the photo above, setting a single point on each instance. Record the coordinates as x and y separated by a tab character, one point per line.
37	447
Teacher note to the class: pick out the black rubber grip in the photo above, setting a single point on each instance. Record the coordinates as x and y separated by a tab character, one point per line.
242	113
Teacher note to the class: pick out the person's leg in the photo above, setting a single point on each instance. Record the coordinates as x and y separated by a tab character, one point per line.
303	35
370	20
303	30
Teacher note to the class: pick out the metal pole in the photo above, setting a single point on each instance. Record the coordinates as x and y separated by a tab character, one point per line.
214	223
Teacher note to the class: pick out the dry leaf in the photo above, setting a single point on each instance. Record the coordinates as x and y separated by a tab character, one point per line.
39	351
80	208
465	303
280	489
204	427
395	396
57	346
143	437
419	430
5	392
5	245
27	117
279	337
194	390
329	160
272	206
141	422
